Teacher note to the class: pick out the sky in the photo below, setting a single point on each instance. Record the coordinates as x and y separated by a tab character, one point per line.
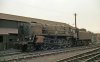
88	11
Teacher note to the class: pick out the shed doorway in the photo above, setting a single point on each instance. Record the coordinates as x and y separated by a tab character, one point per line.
1	38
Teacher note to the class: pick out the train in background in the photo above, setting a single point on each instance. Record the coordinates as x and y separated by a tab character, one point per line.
39	36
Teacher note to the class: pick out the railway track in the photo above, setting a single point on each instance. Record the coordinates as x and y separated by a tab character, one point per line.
90	56
21	56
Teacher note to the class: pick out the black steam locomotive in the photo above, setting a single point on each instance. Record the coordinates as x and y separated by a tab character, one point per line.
40	36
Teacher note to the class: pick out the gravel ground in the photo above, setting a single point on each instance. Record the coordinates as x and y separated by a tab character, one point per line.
56	57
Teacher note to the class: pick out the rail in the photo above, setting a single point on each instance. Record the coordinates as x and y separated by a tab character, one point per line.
85	57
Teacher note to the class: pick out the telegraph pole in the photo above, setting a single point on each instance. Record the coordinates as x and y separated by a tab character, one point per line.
75	21
76	29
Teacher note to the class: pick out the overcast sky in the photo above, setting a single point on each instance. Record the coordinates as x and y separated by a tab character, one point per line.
88	11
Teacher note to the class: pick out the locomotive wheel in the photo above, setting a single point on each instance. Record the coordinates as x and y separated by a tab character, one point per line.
63	42
24	48
69	43
31	48
44	47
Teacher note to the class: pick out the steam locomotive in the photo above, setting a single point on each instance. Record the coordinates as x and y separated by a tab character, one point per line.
40	36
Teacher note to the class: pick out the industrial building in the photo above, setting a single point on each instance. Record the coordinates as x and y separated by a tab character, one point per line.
97	37
8	32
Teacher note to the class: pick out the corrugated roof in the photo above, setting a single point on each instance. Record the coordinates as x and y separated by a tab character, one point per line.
29	19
